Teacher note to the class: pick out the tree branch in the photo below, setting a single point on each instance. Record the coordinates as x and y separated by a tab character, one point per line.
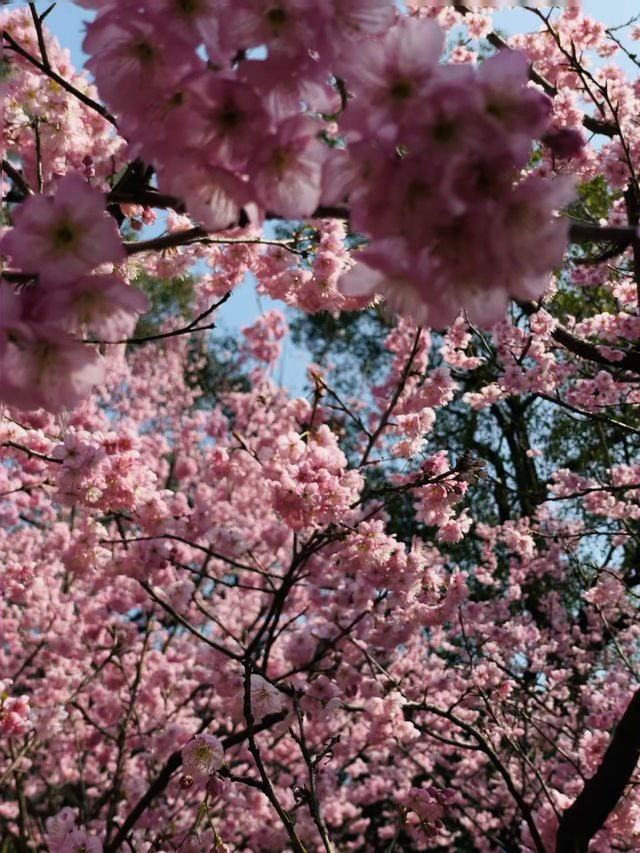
586	349
592	124
171	765
601	793
17	178
69	87
183	330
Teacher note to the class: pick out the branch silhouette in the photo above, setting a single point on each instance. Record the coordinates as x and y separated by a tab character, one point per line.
601	793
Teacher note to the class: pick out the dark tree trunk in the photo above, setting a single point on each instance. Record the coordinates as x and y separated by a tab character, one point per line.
600	794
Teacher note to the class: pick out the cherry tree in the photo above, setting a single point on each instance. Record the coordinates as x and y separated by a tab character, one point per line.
394	613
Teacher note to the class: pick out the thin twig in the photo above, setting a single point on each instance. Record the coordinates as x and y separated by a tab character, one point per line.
184	330
29	452
394	399
198	235
215	554
186	624
17	759
68	87
36	133
267	788
37	22
312	771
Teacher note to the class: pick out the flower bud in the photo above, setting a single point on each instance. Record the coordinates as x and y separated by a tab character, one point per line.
216	785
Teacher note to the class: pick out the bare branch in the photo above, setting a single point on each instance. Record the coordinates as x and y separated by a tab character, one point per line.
16	177
184	330
601	793
69	87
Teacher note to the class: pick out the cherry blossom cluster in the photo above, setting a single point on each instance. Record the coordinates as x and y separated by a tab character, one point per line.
206	541
71	136
312	286
63	836
162	527
228	132
238	132
229	135
60	240
395	616
427	805
441	147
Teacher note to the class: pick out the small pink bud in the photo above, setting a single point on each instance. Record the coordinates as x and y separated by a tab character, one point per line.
216	785
186	782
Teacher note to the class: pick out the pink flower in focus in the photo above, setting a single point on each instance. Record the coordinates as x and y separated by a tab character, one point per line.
63	236
201	756
265	698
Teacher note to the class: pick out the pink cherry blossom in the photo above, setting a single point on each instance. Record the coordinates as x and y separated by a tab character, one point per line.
63	236
103	304
265	698
201	756
396	607
41	365
287	173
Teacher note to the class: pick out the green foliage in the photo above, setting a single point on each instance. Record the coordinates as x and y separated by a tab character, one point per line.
595	199
216	370
351	340
213	364
168	298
